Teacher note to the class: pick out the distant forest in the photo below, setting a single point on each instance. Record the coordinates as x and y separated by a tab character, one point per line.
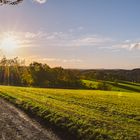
13	72
111	75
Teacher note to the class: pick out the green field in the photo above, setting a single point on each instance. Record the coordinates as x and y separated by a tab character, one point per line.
114	86
84	114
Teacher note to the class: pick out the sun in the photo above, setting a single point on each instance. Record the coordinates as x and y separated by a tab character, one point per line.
9	44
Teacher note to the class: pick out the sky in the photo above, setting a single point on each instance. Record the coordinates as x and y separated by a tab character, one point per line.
85	34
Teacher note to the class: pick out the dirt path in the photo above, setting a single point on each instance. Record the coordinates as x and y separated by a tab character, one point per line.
16	125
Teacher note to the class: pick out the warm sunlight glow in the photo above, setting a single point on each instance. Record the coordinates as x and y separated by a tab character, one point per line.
9	43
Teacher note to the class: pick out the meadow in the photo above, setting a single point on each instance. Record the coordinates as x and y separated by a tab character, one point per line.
81	114
113	86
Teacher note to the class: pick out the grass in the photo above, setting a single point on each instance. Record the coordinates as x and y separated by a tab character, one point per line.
119	86
83	114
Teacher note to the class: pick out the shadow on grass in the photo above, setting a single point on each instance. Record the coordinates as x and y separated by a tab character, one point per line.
130	83
125	87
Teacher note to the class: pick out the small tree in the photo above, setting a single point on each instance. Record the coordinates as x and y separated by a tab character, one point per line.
103	86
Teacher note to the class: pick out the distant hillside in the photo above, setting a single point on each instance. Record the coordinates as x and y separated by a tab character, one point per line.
113	86
111	75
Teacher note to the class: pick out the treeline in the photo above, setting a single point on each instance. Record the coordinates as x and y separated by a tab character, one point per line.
13	72
111	75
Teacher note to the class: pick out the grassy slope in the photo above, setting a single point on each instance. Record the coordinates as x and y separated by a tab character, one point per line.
86	114
120	86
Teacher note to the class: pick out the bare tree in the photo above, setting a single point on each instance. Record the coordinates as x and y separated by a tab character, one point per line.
10	2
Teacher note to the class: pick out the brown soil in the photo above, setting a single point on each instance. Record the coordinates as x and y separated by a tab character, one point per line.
16	125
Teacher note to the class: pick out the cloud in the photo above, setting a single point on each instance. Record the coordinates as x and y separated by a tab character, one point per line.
127	41
41	1
32	35
71	40
135	46
19	37
80	28
129	45
90	40
50	60
58	39
73	60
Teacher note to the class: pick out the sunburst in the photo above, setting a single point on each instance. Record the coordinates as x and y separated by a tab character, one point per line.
9	43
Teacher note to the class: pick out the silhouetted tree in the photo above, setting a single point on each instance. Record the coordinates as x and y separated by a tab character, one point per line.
10	2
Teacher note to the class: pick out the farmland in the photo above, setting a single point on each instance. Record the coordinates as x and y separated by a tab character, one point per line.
83	114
